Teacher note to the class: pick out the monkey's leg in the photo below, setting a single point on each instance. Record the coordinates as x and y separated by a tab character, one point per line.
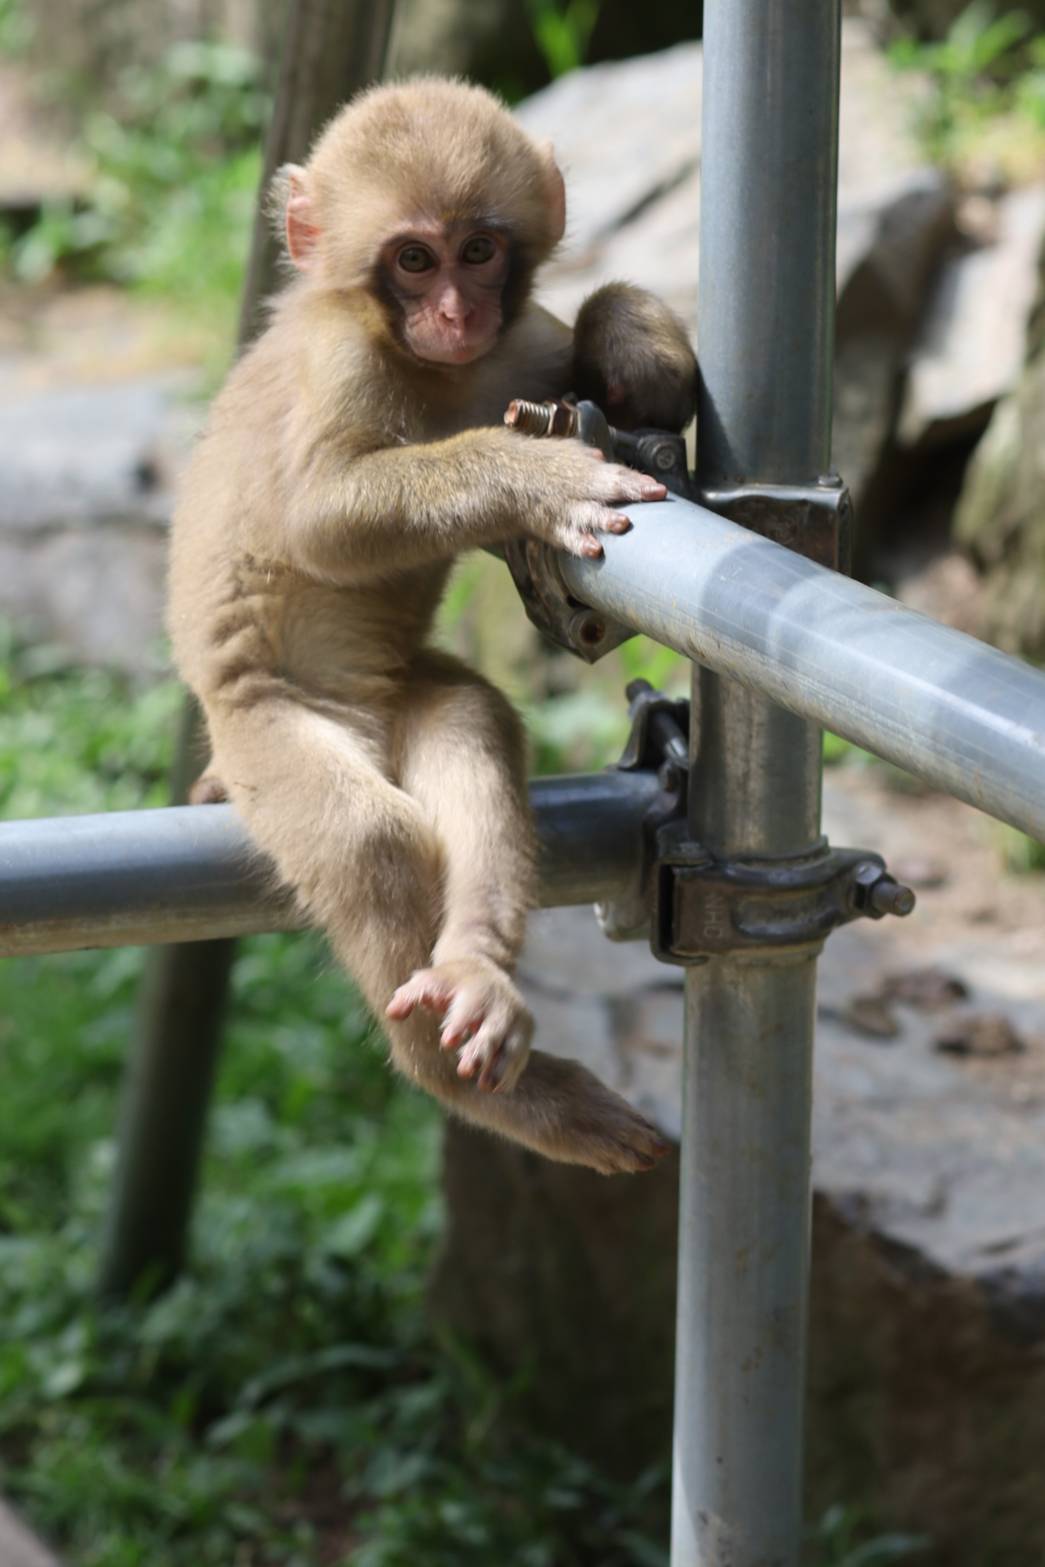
356	850
367	865
461	754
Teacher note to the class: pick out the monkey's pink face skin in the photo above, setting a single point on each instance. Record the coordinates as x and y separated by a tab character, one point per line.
448	284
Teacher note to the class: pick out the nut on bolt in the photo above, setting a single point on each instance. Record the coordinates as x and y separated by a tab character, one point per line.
551	418
874	892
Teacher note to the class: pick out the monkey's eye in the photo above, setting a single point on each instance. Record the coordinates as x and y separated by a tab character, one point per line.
415	258
478	249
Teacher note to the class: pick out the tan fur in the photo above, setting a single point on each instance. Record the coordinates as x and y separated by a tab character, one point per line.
632	356
338	477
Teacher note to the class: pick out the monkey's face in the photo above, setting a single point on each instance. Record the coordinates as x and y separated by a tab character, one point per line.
445	287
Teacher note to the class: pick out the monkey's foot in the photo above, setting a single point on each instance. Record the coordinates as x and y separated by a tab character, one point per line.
578	1120
484	1017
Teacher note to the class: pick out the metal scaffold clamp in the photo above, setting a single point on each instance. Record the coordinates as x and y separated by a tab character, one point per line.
535	567
694	905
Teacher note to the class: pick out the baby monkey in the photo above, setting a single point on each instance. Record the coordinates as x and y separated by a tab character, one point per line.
354	452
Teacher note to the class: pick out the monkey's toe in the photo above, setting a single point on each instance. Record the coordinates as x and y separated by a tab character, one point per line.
635	1149
619	1141
483	1016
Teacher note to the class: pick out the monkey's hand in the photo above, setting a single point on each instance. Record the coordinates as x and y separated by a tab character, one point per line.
574	496
484	1017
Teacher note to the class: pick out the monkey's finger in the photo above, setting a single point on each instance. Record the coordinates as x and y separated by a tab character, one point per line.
493	1069
644	490
455	1034
588	517
618	483
420	990
434	999
465	1015
512	1058
467	1063
401	1004
487	1042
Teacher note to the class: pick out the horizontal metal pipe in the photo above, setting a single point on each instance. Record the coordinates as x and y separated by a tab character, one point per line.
191	873
951	710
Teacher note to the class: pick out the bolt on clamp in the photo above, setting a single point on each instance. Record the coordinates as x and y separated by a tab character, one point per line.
694	905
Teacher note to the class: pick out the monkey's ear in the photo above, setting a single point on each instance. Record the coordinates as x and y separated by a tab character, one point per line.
299	226
554	192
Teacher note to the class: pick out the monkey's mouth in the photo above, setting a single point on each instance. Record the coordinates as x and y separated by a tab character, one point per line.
464	352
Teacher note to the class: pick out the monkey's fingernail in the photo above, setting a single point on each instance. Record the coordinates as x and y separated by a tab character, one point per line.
654	491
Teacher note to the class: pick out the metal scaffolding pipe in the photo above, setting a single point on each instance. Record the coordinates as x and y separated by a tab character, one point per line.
765	326
956	713
190	873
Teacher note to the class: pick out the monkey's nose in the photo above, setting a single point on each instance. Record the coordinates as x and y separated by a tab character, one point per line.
454	309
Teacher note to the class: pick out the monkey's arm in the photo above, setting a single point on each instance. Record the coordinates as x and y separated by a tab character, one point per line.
357	517
632	355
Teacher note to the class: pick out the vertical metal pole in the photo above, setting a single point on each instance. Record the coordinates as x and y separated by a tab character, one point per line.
765	335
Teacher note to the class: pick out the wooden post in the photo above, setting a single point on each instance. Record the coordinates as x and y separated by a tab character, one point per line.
331	49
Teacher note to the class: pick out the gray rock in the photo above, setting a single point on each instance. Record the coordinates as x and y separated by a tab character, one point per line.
888	248
1000	516
633	182
972	344
929	1234
74	456
84	504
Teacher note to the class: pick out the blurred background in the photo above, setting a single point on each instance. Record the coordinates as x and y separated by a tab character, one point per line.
389	1353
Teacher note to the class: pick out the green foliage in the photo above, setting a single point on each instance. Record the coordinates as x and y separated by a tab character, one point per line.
841	1539
16	28
562	30
174	182
837	750
986	101
99	741
586	728
1020	854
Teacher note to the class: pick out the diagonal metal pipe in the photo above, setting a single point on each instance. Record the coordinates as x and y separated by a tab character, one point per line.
956	713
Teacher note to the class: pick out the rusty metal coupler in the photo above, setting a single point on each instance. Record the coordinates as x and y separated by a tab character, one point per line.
694	906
